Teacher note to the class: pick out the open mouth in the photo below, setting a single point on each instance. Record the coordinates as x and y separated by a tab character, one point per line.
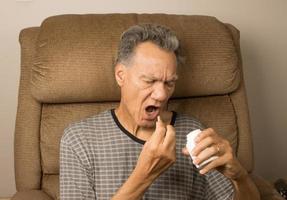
152	111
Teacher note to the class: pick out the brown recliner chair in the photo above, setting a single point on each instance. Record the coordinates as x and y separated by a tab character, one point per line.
67	74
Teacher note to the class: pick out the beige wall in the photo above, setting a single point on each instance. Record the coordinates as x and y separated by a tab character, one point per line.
263	37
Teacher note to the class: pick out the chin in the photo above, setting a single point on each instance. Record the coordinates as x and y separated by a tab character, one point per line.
148	124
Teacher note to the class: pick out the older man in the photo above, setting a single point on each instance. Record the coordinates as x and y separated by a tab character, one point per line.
136	151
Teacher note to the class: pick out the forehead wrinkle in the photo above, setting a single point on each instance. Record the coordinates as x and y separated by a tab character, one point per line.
151	76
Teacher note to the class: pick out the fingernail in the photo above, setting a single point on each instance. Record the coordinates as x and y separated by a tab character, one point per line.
202	171
158	118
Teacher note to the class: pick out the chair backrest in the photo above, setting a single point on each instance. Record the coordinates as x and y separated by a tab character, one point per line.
67	74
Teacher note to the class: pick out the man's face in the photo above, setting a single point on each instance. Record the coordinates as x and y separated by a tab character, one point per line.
147	84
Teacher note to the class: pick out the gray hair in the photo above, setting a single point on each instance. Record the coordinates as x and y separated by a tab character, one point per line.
160	35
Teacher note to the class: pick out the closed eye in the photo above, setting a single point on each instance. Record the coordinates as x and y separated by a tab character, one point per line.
149	81
170	83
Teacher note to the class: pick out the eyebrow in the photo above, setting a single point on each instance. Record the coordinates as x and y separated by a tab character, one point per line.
173	78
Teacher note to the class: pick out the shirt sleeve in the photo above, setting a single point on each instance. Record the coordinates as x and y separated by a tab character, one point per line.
218	186
76	180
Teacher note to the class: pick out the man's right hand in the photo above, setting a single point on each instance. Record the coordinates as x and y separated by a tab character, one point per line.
157	155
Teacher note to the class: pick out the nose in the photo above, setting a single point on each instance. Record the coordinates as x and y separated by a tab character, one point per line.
160	92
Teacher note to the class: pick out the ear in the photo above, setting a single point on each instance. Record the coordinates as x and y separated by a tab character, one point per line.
120	73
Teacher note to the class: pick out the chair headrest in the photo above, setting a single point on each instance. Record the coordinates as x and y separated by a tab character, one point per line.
75	54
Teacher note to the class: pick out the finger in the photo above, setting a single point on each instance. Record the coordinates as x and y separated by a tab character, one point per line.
159	132
202	145
205	154
205	139
205	133
169	140
220	161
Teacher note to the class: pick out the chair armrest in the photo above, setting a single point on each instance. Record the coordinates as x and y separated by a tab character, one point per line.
266	189
31	195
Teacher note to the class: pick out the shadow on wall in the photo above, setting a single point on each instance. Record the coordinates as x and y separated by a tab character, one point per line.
255	80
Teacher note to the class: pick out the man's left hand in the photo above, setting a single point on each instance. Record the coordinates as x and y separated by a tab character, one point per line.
208	144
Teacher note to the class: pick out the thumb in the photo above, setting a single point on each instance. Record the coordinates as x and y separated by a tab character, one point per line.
185	151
